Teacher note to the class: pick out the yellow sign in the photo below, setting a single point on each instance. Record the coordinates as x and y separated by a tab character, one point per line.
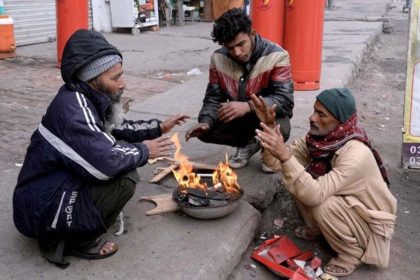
411	132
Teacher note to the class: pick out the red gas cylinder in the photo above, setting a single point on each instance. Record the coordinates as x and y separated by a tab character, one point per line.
303	37
71	16
7	38
268	19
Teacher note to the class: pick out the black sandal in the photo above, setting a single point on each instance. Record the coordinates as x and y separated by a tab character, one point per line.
94	251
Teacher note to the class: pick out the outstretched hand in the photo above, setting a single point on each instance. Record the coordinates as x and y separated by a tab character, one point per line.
169	123
264	113
197	130
272	140
159	147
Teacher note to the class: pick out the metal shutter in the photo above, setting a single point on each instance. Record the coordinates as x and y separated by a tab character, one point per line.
34	20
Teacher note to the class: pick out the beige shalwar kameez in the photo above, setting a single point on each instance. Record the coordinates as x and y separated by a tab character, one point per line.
351	205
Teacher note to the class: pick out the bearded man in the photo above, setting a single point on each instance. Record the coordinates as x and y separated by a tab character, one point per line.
80	167
337	180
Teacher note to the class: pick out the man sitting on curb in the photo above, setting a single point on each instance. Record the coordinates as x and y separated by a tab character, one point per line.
246	64
337	180
80	167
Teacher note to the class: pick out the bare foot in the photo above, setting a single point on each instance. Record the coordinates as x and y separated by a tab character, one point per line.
96	251
107	248
335	269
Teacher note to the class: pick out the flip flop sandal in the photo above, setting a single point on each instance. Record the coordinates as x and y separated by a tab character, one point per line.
93	251
305	233
349	268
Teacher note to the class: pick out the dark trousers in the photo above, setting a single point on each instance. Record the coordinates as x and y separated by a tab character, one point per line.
239	132
109	198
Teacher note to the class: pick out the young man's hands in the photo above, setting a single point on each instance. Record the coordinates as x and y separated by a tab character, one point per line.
229	111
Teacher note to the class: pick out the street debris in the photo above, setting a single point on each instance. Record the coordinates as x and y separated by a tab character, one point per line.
278	223
121	229
263	236
379	108
285	259
194	72
388	27
326	276
171	77
252	269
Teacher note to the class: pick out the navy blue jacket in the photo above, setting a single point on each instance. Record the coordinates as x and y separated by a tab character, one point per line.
70	150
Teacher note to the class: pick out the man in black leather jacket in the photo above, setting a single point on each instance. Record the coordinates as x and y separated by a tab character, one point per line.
246	64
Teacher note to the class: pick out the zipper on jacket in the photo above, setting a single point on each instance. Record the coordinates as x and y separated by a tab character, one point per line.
242	88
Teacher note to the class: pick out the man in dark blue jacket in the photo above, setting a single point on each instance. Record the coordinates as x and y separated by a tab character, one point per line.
80	167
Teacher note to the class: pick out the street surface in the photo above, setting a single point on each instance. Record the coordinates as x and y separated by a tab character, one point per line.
356	54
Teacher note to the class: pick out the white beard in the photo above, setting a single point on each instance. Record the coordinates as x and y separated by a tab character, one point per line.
116	118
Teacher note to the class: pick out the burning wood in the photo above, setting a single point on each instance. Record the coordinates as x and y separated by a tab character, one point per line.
192	191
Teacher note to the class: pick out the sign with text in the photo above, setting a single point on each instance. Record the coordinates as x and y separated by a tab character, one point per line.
411	131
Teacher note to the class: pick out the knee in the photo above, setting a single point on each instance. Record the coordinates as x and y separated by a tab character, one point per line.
323	211
204	138
128	188
128	184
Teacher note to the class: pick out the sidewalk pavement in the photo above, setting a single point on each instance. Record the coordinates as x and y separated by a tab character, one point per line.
173	246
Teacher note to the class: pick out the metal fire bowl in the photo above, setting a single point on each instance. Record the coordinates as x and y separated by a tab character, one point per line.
206	213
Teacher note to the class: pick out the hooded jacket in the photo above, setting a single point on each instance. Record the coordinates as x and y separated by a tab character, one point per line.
70	150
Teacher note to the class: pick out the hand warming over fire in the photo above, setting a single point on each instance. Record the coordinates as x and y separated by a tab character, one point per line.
197	130
169	123
272	140
264	113
159	147
232	110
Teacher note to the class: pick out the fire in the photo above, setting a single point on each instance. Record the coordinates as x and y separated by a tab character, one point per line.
223	177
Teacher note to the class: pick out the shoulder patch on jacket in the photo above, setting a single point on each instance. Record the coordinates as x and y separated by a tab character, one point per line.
226	66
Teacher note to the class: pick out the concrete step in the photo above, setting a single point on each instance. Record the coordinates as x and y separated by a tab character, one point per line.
167	246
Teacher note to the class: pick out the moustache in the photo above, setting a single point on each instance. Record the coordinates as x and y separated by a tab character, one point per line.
313	125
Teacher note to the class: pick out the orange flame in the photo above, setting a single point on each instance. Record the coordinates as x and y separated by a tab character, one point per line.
223	176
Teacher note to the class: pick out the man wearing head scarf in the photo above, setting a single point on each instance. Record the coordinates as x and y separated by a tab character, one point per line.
80	167
337	180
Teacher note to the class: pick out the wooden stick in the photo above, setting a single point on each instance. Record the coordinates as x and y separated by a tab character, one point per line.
163	173
163	202
198	165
